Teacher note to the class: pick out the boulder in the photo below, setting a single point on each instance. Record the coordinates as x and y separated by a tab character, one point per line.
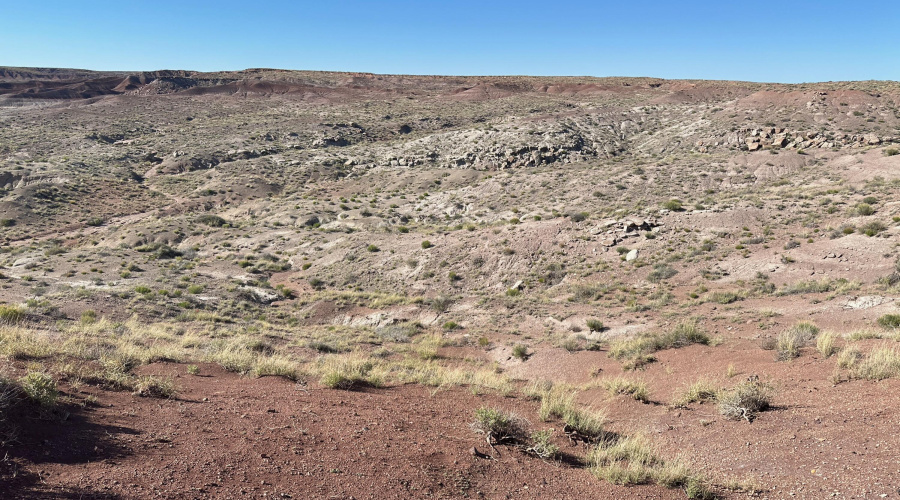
631	255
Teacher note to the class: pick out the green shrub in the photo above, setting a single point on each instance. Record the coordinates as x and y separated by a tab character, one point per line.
195	289
40	388
864	209
594	325
520	351
426	244
499	426
872	228
541	445
11	314
891	321
891	152
212	220
674	205
372	248
88	316
661	272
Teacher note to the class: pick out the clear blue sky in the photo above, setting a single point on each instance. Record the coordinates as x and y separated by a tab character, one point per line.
781	41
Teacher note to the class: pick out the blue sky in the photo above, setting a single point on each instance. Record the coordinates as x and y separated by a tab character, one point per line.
791	41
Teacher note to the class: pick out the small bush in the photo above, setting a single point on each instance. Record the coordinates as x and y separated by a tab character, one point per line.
872	228
372	248
541	445
723	297
864	209
426	244
745	400
674	205
880	364
891	152
594	325
789	342
40	388
154	387
11	315
520	351
499	426
661	272
698	392
88	317
620	385
825	344
890	321
848	357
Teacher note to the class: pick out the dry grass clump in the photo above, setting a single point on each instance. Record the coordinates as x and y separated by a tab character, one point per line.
698	392
848	357
499	426
882	363
558	401
621	385
154	387
745	400
789	342
634	460
345	373
825	344
637	351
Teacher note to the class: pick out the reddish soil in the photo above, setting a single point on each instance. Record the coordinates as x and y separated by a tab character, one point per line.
225	436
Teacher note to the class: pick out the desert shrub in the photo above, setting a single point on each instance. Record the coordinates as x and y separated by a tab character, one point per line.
891	152
316	283
586	292
789	342
872	228
821	286
499	426
745	400
277	366
153	387
520	351
723	297
621	385
441	303
864	209
634	460
426	244
594	325
661	272
684	334
674	205
880	364
88	316
848	357
578	216
40	388
582	424
348	373
400	332
698	392
541	445
212	220
11	314
825	344
891	321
